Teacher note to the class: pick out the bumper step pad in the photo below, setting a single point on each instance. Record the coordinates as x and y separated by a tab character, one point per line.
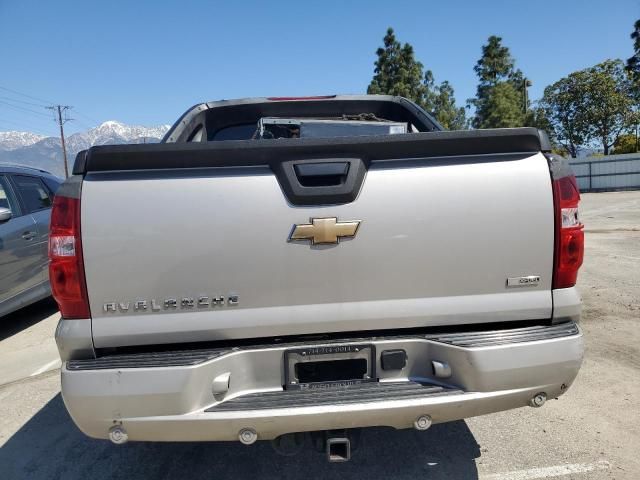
362	393
148	360
471	339
503	337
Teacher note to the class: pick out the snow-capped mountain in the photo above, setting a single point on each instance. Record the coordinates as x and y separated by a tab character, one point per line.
13	140
27	148
112	132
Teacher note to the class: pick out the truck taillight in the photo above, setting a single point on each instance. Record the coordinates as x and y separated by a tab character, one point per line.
66	267
569	236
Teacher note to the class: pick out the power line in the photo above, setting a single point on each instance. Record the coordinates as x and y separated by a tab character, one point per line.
96	122
22	101
25	95
44	104
11	101
83	124
23	109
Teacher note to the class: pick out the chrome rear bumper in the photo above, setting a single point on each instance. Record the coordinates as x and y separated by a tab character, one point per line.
169	397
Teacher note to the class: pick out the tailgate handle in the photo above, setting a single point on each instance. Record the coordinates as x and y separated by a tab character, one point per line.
323	174
320	181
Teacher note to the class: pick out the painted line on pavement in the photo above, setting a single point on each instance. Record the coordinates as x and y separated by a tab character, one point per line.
46	367
549	472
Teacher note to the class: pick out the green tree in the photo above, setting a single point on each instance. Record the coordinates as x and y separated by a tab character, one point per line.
448	114
633	68
430	92
593	105
627	143
537	117
633	63
500	108
499	100
440	99
397	72
608	102
563	104
496	63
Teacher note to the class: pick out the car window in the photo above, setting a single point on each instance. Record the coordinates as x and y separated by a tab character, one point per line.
52	184
6	200
34	194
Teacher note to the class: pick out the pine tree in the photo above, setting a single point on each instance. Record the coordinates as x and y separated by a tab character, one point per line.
397	72
440	101
430	92
633	63
500	108
496	63
500	100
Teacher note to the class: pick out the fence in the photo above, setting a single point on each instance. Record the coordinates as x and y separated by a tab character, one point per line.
615	172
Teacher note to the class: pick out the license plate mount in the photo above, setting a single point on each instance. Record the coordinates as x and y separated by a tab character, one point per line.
321	367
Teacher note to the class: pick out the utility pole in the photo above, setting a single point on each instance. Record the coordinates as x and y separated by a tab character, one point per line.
526	83
59	109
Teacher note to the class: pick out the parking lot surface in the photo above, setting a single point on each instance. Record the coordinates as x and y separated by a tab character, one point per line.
592	432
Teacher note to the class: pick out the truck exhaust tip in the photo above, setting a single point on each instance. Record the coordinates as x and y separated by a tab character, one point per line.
338	449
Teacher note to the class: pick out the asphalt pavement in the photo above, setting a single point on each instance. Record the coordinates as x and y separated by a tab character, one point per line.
27	347
591	432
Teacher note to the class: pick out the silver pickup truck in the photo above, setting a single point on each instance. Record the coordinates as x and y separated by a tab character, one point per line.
282	266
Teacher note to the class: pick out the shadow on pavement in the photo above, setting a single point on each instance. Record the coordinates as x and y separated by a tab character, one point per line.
49	446
26	317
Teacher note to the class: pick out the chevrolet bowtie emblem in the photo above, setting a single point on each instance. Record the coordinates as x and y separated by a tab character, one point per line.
324	230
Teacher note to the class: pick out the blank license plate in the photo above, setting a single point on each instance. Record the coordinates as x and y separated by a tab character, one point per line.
329	366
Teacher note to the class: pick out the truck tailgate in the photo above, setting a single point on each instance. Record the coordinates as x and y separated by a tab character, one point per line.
195	254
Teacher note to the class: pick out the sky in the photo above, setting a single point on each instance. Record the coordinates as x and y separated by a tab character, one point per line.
146	62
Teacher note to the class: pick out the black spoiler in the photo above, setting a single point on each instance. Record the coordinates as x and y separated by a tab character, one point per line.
234	153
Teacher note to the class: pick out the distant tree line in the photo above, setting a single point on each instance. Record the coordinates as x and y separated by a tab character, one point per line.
597	106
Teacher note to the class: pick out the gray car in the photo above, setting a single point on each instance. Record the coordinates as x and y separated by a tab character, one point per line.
26	196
